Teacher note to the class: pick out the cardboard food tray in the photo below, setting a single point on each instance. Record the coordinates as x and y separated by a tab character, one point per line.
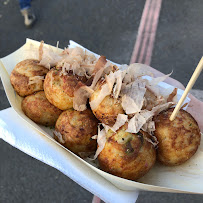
186	178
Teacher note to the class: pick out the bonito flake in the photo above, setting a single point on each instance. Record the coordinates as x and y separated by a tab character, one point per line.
76	60
133	98
101	141
138	120
80	97
47	57
156	81
143	119
105	91
119	78
149	127
120	121
152	84
137	70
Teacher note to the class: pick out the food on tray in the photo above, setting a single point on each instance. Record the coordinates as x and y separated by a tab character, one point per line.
178	139
127	101
27	77
74	130
127	155
40	110
59	88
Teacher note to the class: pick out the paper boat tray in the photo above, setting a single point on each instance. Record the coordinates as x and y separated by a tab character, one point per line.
186	178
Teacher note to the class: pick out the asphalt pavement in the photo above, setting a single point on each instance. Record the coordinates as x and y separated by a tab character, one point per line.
108	28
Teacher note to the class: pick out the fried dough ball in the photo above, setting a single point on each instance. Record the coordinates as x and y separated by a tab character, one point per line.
76	129
108	109
178	139
59	89
127	155
23	77
40	110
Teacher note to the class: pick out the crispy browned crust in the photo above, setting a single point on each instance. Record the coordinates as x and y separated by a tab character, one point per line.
19	77
179	139
77	128
40	110
59	90
108	109
131	159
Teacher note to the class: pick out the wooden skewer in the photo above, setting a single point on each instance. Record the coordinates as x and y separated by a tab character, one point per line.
188	88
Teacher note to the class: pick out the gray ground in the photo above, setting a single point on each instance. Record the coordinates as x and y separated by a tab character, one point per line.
108	28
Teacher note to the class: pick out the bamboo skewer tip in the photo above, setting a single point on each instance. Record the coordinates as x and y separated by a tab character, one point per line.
190	84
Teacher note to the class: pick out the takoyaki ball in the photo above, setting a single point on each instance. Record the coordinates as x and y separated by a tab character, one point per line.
178	139
59	89
108	109
76	129
23	77
127	155
40	110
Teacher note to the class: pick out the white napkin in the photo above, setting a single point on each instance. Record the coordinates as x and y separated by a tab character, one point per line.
15	131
